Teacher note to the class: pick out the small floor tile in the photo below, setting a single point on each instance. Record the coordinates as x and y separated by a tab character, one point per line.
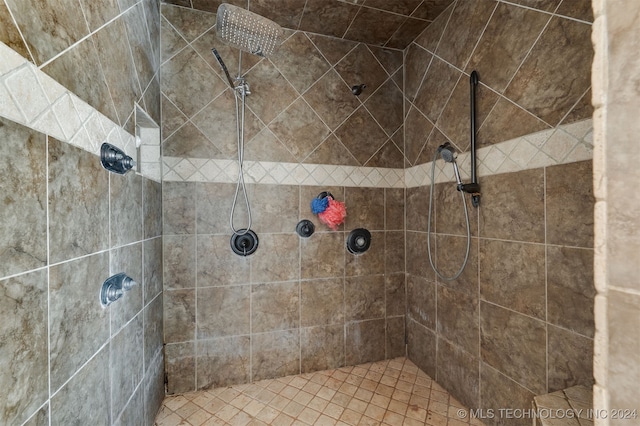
391	392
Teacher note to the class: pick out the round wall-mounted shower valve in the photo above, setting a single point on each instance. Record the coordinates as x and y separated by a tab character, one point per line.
244	242
359	241
305	228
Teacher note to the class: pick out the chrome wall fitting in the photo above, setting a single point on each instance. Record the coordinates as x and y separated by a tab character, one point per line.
114	287
115	160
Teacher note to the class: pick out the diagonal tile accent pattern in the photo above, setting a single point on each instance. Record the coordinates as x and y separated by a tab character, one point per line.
391	24
226	171
567	144
301	95
30	97
533	62
107	54
390	392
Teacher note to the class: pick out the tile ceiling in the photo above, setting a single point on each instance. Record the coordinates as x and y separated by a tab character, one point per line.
392	24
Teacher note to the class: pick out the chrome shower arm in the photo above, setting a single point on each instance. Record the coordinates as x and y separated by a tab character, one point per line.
224	67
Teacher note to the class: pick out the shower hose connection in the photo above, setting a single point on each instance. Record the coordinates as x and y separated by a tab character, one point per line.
466	216
240	93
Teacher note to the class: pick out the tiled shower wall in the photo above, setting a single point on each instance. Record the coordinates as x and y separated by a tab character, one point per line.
107	53
200	141
533	67
301	109
67	224
378	22
295	305
519	320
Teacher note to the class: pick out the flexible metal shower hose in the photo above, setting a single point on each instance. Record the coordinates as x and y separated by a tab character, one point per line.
466	216
240	183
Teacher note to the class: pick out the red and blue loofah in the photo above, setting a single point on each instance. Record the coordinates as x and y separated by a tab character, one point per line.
329	211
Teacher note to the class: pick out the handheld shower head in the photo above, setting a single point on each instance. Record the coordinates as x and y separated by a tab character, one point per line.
247	31
448	155
447	152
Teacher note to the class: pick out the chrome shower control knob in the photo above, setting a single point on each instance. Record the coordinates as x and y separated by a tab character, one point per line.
114	287
128	283
114	294
115	160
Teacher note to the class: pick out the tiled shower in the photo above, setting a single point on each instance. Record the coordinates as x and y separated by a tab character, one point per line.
517	323
490	328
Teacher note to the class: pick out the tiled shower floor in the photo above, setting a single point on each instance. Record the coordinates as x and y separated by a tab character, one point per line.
391	392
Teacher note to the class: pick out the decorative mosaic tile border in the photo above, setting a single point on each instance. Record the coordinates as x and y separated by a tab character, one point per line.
566	144
30	97
562	145
226	171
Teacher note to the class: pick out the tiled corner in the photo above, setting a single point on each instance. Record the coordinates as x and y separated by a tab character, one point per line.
577	398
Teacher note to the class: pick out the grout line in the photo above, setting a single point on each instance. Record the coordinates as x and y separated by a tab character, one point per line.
344	287
424	76
554	13
86	37
352	21
386	273
22	38
627	291
109	308
48	236
484	29
546	280
397	30
561	121
525	57
81	367
304	8
508	377
177	52
196	346
389	73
